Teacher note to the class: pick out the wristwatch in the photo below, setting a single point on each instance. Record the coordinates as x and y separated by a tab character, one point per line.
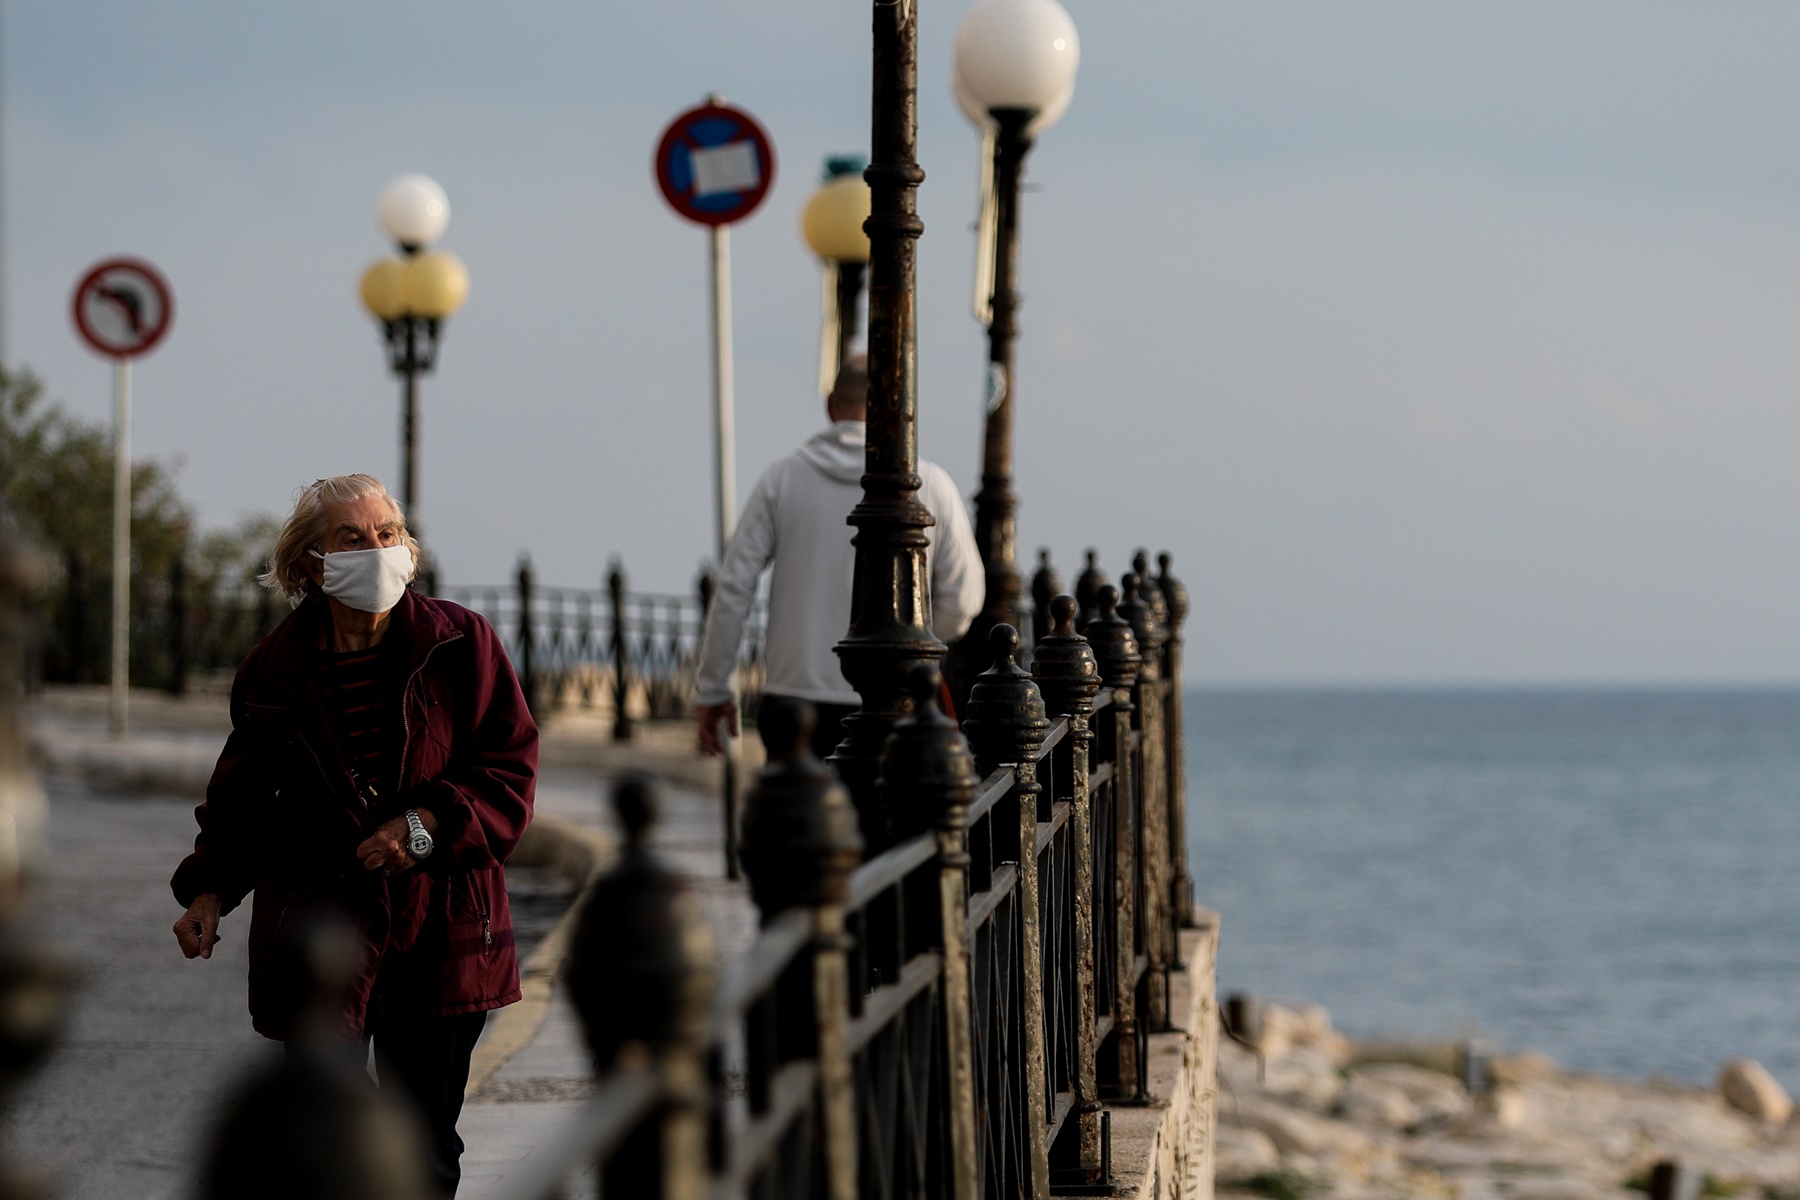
419	844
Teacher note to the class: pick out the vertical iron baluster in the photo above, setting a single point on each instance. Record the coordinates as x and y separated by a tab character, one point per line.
928	778
1063	666
1005	724
800	846
640	973
1159	932
621	653
527	660
1176	597
1116	655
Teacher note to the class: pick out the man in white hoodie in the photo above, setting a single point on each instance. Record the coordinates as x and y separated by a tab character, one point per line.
796	524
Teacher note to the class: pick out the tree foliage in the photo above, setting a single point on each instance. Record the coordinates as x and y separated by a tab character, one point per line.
56	477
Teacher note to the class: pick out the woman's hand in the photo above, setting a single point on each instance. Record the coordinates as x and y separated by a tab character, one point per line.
385	849
198	928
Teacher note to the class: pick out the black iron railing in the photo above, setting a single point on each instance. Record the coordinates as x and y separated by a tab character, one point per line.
955	1016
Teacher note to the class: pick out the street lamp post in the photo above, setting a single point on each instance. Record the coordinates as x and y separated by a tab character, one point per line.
832	224
412	294
890	607
1014	77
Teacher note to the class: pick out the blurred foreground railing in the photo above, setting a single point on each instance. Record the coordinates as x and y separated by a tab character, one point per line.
953	1017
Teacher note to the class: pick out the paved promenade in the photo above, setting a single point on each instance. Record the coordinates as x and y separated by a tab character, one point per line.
155	1041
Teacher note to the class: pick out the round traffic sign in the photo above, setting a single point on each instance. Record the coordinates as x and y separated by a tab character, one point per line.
715	164
123	307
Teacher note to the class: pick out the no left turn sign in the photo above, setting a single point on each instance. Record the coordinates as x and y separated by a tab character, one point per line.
123	307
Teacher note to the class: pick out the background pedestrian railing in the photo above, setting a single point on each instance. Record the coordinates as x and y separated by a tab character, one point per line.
953	1015
567	645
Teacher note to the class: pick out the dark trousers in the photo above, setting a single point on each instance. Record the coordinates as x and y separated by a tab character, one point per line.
426	1060
826	734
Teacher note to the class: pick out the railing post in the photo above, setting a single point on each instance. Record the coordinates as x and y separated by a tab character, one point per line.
1176	597
640	972
1046	585
1159	933
178	623
1087	589
890	605
35	986
800	846
1005	724
1063	665
621	652
1116	654
928	779
527	635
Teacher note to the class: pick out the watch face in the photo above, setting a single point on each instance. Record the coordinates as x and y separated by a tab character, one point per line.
420	845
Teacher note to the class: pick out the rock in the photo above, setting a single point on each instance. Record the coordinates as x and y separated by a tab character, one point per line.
1241	1154
1748	1087
1370	1101
1301	1133
1435	1095
1312	1024
1275	1035
1306	1077
1501	1107
1559	1189
1533	1066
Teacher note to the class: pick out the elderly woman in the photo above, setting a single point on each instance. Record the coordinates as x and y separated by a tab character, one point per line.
381	764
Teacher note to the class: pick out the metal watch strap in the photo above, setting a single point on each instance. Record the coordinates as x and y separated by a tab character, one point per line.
416	828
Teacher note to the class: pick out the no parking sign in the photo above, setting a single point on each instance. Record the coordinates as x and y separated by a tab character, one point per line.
715	164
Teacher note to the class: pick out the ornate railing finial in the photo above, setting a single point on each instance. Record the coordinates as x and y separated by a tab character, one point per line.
1151	590
1005	719
1046	585
641	964
1174	592
1115	645
1087	587
1062	663
800	841
1135	608
927	772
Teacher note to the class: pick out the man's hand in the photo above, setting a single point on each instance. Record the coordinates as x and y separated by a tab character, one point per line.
385	849
198	928
709	717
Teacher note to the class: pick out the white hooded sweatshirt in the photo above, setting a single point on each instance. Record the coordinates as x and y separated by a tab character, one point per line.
795	523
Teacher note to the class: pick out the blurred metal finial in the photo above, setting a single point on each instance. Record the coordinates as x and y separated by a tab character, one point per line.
640	966
313	1126
800	841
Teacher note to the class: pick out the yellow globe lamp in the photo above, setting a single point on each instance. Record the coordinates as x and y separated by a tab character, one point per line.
435	285
383	289
832	221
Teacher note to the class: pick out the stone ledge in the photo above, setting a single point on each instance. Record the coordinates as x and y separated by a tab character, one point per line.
1164	1150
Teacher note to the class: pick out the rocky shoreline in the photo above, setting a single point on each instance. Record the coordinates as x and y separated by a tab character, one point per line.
1306	1113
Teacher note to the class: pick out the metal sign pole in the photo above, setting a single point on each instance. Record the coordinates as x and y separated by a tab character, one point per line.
724	435
725	481
121	589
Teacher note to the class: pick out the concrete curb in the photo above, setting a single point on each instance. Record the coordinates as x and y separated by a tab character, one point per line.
578	855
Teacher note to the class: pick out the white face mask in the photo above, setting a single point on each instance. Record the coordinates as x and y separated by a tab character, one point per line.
370	581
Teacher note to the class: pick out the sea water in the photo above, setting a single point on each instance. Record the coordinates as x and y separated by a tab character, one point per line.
1612	877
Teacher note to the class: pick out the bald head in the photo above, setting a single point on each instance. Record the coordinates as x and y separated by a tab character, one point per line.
849	399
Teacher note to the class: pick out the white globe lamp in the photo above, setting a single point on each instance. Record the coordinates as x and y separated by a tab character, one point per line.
1017	54
414	210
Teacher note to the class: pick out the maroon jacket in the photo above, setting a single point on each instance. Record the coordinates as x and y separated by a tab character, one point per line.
282	818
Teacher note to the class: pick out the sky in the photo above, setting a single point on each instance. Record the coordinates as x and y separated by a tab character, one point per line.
1440	344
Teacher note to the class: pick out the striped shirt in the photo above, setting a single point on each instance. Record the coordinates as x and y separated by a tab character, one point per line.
362	702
